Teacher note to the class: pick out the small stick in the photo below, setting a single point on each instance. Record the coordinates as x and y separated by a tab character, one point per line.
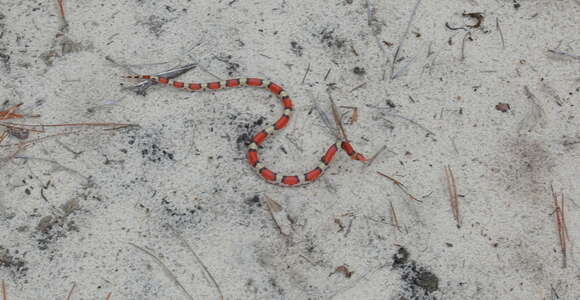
71	291
308	260
64	26
32	141
399	185
165	269
354	116
199	262
358	87
353	50
394	217
306	73
4	293
9	113
109	296
564	53
404	68
404	118
61	7
337	118
96	124
500	32
468	34
325	119
372	159
453	197
3	135
395	57
327	73
275	209
561	225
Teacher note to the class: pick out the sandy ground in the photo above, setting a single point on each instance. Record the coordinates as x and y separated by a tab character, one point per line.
157	210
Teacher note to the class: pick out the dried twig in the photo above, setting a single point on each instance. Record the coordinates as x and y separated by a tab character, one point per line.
32	141
337	118
9	112
71	291
500	32
358	87
399	116
561	224
61	7
325	119
165	269
89	124
372	159
279	216
373	23
453	196
400	186
306	73
535	116
403	68
4	293
216	285
327	73
558	52
394	218
109	296
64	26
354	116
396	55
465	37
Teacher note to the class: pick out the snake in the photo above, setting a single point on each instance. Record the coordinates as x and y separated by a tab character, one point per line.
258	139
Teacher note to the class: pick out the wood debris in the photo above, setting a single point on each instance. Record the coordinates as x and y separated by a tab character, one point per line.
281	218
453	196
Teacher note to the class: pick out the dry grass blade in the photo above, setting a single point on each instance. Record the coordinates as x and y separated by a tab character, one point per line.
32	141
374	157
394	218
280	217
61	7
165	269
325	119
453	196
4	293
205	269
536	115
558	52
386	111
9	113
561	224
89	124
71	291
396	56
3	135
500	32
400	186
465	37
306	73
336	116
358	87
354	115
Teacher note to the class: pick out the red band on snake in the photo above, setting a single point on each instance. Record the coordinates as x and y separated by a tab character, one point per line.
252	155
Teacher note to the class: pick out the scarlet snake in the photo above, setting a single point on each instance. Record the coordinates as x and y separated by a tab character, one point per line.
252	155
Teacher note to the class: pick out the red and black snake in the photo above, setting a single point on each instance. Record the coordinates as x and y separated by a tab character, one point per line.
252	155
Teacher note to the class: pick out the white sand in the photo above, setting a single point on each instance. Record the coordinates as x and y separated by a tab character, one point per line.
74	209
